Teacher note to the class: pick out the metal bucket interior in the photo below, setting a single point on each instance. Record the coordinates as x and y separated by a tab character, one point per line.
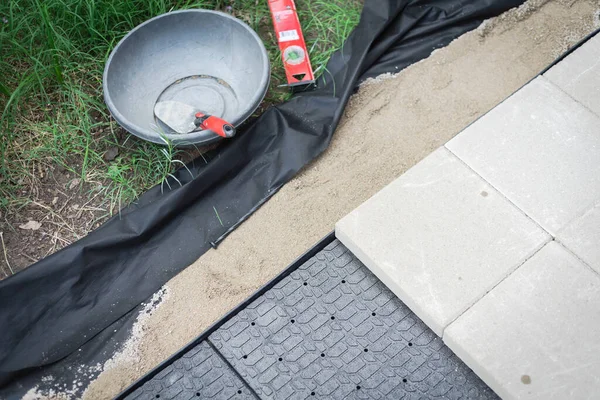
206	59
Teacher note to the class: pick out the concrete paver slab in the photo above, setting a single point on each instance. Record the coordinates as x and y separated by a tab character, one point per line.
440	237
582	237
539	148
535	335
579	74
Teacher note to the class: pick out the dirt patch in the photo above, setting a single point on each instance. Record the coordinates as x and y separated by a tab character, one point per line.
57	207
61	210
388	127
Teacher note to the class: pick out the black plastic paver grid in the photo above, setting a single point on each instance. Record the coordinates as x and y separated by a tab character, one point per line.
329	330
200	373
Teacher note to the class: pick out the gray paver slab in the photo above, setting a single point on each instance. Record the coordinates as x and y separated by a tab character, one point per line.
535	335
582	237
579	74
541	149
440	237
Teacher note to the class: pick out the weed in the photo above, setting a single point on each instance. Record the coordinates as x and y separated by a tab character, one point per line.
218	217
5	255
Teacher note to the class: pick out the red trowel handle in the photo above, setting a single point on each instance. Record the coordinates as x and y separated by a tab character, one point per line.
215	124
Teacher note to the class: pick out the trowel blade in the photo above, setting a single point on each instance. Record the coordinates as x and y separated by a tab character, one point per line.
176	115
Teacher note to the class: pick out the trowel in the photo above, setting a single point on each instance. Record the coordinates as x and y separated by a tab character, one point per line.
183	119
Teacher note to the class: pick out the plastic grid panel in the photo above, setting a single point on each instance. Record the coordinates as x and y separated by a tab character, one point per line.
332	330
199	374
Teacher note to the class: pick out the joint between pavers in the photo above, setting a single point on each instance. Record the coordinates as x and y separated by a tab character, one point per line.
569	95
533	253
499	192
232	368
586	209
571	252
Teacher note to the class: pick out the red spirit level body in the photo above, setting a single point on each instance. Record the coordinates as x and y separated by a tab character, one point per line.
291	43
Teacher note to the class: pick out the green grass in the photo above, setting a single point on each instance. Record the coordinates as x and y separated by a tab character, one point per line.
51	108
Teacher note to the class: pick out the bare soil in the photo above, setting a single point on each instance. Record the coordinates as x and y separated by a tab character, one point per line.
402	119
61	208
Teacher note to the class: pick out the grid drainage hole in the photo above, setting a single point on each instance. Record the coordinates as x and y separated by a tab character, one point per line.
252	323
322	354
343	281
373	314
404	380
312	393
198	394
366	350
245	356
410	344
332	317
305	284
239	392
280	359
357	387
292	321
157	396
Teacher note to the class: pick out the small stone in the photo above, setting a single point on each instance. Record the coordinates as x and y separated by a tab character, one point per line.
74	183
111	153
31	226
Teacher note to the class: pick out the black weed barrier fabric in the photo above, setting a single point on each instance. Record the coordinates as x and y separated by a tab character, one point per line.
54	309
